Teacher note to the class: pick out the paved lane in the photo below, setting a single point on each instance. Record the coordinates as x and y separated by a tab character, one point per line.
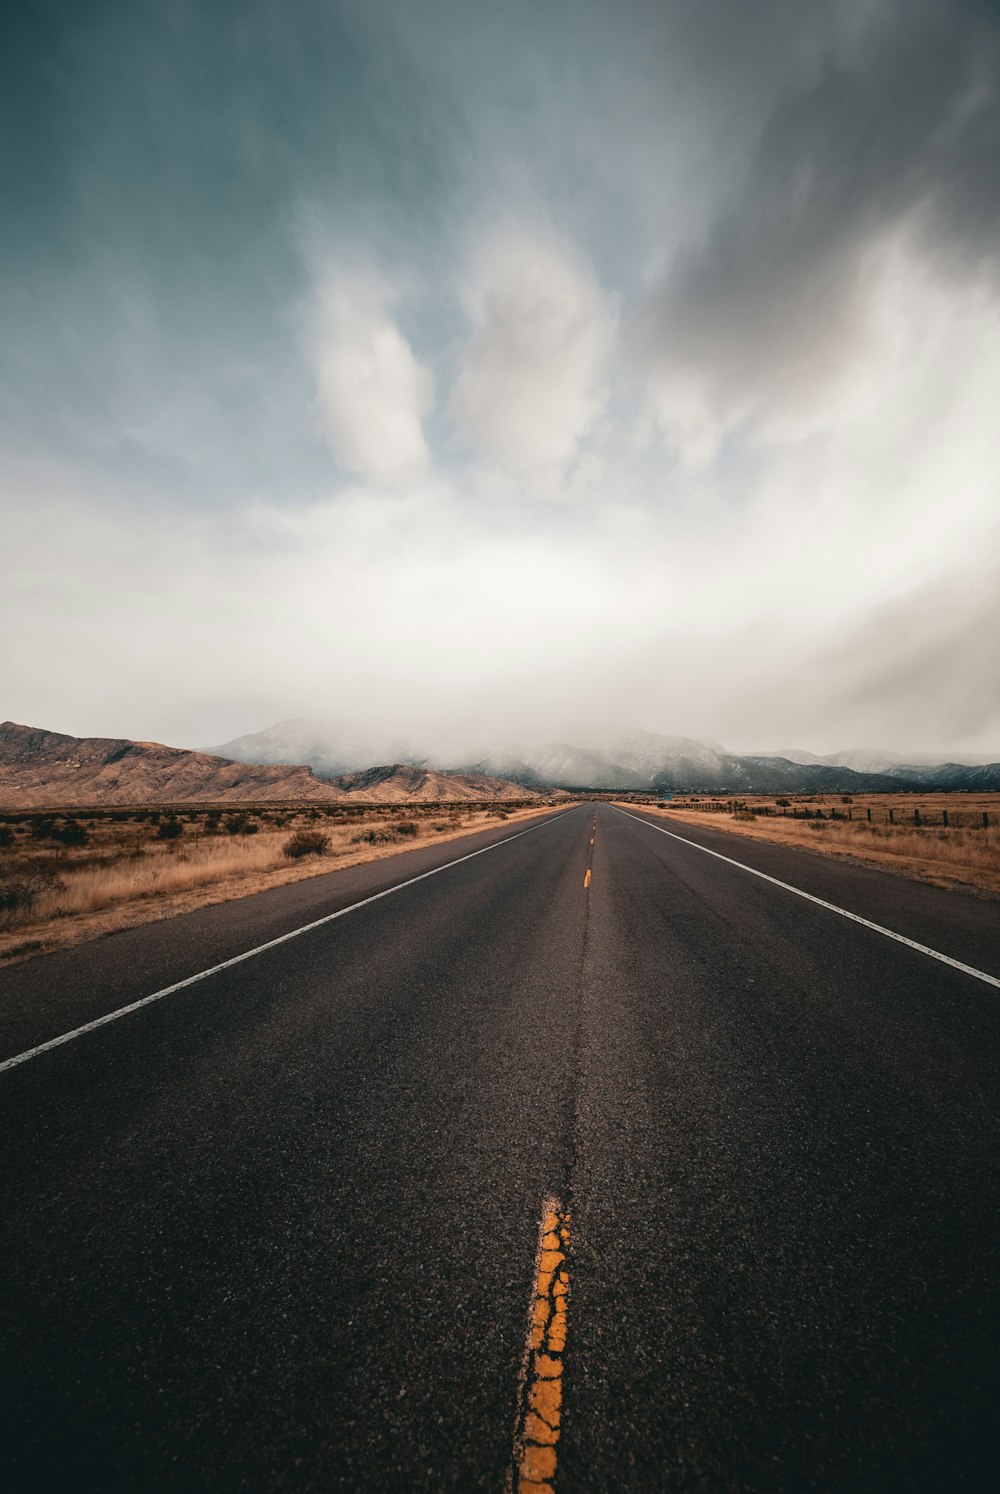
786	1185
45	997
279	1229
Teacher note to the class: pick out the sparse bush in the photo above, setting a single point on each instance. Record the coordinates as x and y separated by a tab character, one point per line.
169	830
16	896
6	837
407	828
306	843
69	833
373	838
241	824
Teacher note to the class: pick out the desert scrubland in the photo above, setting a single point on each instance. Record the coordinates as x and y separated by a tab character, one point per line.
71	875
949	840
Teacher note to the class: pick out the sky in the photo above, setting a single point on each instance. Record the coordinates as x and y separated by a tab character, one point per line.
553	368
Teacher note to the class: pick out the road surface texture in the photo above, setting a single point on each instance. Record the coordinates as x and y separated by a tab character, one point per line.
279	1229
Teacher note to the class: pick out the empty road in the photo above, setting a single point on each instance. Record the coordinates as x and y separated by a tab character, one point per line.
290	1225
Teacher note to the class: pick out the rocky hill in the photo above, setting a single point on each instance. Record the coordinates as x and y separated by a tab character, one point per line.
46	768
412	785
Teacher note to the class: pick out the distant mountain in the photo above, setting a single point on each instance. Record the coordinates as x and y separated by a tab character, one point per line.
402	782
917	771
633	760
46	768
777	775
985	777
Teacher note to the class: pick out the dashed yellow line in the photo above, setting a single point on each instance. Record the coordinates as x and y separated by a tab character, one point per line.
540	1412
586	878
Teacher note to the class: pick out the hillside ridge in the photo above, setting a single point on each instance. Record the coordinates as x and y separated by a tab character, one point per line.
39	768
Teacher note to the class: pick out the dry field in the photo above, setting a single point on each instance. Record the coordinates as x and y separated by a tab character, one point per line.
936	838
70	876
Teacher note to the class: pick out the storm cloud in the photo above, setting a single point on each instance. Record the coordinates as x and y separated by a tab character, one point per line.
630	364
891	143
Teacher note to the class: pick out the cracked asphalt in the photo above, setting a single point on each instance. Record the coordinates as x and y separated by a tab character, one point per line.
278	1229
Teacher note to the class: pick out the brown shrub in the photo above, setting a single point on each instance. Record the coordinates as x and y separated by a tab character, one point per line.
306	843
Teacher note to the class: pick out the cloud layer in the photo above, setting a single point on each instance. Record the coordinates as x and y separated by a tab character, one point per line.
893	137
658	383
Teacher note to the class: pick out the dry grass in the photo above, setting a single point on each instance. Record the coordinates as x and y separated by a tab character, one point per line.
126	872
961	853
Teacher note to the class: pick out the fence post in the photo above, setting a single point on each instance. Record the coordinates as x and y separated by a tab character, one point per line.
869	814
891	820
944	818
916	816
986	820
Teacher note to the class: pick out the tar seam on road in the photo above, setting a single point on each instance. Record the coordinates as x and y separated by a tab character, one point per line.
878	928
540	1391
191	980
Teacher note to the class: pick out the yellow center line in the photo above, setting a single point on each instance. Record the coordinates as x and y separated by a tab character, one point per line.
586	879
533	1467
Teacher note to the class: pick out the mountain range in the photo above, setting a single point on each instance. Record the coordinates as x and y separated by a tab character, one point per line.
634	759
323	763
47	768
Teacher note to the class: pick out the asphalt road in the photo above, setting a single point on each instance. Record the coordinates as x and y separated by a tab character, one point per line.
278	1229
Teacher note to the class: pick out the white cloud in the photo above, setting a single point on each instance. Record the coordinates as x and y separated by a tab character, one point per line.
373	393
531	386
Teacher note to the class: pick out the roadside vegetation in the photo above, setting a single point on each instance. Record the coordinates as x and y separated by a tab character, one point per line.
69	877
949	840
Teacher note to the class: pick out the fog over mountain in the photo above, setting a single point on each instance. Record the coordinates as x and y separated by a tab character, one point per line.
538	367
634	760
869	760
317	762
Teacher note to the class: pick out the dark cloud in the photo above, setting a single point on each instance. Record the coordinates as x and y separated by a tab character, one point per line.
895	127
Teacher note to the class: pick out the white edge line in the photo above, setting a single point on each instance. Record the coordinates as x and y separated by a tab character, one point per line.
191	980
935	954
